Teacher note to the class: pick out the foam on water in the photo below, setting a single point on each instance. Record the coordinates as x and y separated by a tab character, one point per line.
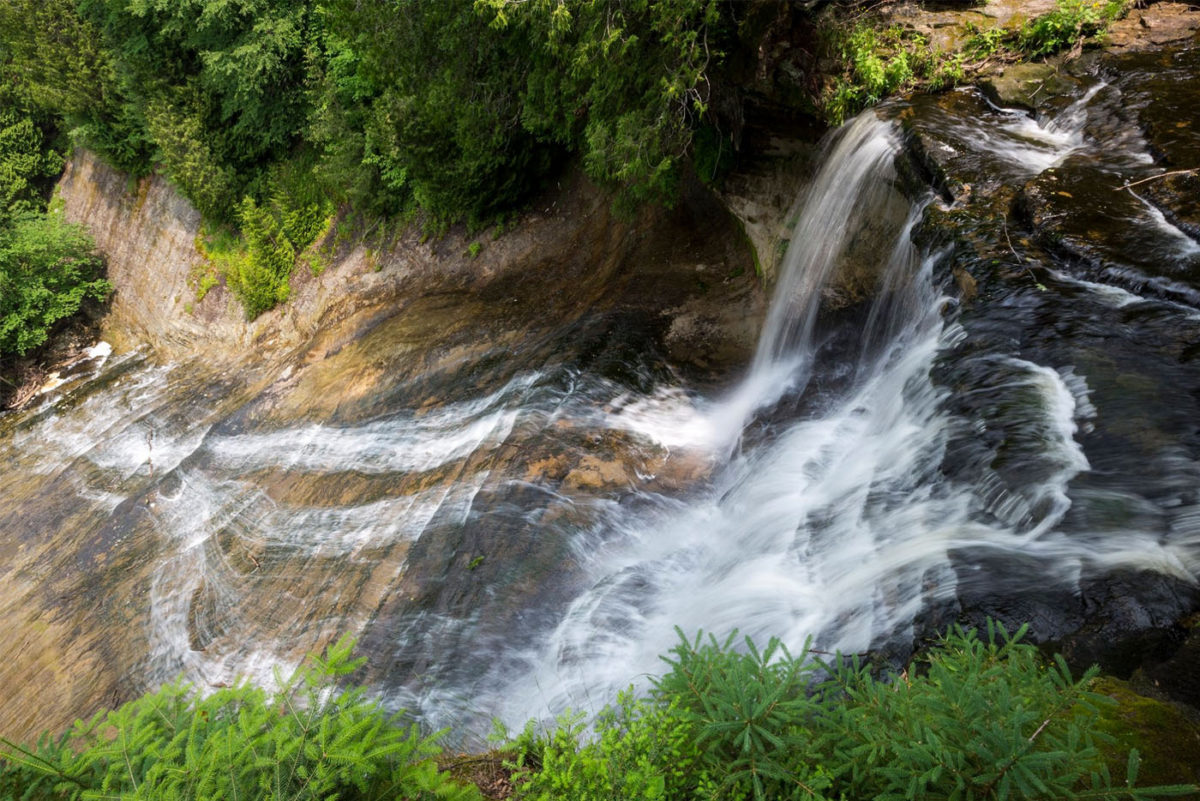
1184	245
843	525
1031	144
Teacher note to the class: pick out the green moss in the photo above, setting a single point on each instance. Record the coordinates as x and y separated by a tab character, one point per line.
1169	743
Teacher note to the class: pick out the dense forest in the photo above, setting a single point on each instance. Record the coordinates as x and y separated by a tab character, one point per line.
269	116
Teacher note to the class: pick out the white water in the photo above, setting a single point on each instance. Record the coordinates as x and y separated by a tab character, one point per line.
1029	144
841	525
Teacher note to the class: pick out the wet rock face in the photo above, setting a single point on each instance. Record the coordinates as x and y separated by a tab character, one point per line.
1029	85
566	255
1083	265
1153	26
415	438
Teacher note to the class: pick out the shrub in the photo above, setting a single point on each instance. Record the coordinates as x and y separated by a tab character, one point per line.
306	740
258	265
1067	24
259	275
27	166
877	62
185	156
975	719
48	268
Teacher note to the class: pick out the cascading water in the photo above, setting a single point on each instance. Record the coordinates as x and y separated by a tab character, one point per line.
842	523
832	527
513	539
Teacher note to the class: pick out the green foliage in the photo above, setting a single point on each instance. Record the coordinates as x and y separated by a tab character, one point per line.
258	263
1068	23
48	268
624	83
420	102
748	712
879	61
976	719
259	275
60	56
459	108
463	106
27	165
984	42
640	750
239	63
306	740
188	160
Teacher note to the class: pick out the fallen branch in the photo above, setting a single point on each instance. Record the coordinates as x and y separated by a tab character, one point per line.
1156	177
1017	256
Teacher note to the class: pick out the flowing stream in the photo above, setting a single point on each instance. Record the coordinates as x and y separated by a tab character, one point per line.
875	474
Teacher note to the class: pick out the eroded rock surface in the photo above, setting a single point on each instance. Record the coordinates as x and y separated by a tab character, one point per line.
416	434
1082	260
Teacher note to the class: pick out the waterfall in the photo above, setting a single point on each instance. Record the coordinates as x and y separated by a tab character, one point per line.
830	528
854	182
840	522
855	172
515	536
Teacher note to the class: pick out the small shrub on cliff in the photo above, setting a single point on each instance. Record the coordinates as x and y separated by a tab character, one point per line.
307	740
258	265
975	719
878	60
48	268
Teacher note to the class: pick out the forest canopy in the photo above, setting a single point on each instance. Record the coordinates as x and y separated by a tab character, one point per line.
48	268
264	111
457	107
270	116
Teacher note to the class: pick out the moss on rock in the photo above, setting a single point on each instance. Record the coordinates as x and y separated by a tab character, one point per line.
1165	736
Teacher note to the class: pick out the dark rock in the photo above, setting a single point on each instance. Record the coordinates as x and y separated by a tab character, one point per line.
1178	676
1028	85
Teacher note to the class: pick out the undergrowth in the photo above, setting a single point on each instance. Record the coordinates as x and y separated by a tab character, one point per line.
257	262
976	719
307	740
878	61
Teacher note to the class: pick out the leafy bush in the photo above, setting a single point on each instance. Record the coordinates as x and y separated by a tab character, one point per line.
188	161
975	719
258	263
48	268
623	83
877	61
1068	23
260	277
307	740
61	57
